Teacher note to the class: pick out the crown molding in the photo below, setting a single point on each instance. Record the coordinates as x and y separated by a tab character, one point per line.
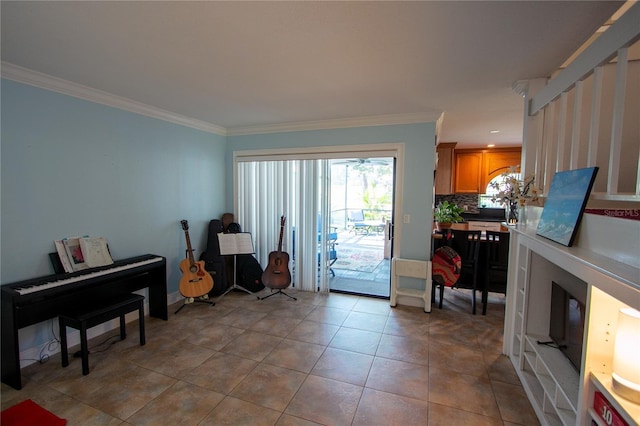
341	123
55	84
44	81
520	87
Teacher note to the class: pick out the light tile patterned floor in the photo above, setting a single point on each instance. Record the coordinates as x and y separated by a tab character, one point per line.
324	359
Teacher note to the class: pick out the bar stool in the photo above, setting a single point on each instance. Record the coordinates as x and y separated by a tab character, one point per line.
497	264
467	244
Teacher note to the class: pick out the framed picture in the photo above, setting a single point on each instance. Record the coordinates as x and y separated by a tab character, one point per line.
565	204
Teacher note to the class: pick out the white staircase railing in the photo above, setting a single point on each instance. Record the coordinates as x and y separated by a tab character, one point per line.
589	115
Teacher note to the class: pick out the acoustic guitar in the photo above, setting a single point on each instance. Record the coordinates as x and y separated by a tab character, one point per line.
195	281
276	274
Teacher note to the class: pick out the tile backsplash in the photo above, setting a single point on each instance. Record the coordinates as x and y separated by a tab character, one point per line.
469	200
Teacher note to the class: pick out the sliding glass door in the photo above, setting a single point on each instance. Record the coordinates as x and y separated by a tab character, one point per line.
362	215
339	209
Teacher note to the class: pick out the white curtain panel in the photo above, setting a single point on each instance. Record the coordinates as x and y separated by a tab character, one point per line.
298	190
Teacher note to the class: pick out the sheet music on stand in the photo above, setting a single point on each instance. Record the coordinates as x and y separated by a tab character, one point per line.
233	245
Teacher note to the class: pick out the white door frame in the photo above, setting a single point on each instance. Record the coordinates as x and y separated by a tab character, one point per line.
391	149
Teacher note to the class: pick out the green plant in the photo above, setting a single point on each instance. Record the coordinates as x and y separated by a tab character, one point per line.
447	212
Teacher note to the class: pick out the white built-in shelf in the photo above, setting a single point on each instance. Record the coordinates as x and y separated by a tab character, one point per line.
559	394
629	411
618	271
552	381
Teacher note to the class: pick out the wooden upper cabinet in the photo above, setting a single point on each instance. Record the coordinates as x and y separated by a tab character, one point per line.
444	170
468	171
474	169
499	162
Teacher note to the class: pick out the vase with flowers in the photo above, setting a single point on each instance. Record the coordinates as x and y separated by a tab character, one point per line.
513	193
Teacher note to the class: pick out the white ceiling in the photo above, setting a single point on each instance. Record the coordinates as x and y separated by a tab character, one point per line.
243	65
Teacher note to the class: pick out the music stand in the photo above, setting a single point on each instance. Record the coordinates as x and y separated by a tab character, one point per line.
233	245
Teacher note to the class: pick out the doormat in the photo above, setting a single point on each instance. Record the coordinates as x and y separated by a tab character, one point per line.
358	258
28	413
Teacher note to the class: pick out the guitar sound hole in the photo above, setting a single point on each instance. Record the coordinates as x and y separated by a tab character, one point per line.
193	268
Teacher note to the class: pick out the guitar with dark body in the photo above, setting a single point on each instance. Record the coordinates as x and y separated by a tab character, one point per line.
277	275
195	281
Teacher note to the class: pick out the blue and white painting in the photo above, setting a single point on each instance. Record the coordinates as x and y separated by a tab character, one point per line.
565	204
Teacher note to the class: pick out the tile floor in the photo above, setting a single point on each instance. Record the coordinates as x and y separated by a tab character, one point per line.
376	283
324	359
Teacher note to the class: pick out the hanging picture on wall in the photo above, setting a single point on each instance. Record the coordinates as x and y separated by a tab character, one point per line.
565	204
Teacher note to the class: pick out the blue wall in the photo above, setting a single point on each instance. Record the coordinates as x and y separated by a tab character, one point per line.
72	167
419	141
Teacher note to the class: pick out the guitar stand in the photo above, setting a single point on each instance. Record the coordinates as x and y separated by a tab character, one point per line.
276	292
235	284
189	300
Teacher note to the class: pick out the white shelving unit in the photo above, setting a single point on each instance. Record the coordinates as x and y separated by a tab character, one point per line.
521	256
629	411
555	380
560	395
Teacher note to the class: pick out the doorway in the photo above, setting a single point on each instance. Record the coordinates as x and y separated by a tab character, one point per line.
270	183
361	216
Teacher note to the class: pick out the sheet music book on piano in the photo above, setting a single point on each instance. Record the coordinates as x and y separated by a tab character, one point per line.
240	243
62	254
95	251
74	253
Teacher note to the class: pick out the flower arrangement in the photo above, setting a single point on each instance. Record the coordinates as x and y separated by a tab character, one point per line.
511	190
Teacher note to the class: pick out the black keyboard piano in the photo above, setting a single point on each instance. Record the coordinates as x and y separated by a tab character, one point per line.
32	301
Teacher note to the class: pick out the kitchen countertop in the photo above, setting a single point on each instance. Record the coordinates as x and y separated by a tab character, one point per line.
464	226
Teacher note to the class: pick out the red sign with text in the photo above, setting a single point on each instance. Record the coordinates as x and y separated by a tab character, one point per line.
606	412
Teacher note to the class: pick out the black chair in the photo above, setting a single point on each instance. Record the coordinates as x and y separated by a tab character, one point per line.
467	244
496	265
445	270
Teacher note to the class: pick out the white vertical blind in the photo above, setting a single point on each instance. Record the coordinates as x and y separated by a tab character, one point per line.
296	189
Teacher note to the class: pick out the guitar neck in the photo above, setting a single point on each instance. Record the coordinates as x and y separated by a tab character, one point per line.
282	222
189	249
280	240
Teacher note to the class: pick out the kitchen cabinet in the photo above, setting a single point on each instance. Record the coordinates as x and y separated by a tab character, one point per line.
444	169
498	162
474	168
468	172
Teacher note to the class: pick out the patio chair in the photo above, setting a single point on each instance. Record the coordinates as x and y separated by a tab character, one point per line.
357	223
332	238
331	241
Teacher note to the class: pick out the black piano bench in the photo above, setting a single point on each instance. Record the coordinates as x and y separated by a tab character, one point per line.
86	317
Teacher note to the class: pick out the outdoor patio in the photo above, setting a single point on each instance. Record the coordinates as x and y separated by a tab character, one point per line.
361	266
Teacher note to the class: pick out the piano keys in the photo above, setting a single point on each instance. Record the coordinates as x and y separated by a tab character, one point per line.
40	285
35	300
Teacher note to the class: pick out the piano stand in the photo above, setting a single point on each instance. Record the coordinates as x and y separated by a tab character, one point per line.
97	314
39	299
190	300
